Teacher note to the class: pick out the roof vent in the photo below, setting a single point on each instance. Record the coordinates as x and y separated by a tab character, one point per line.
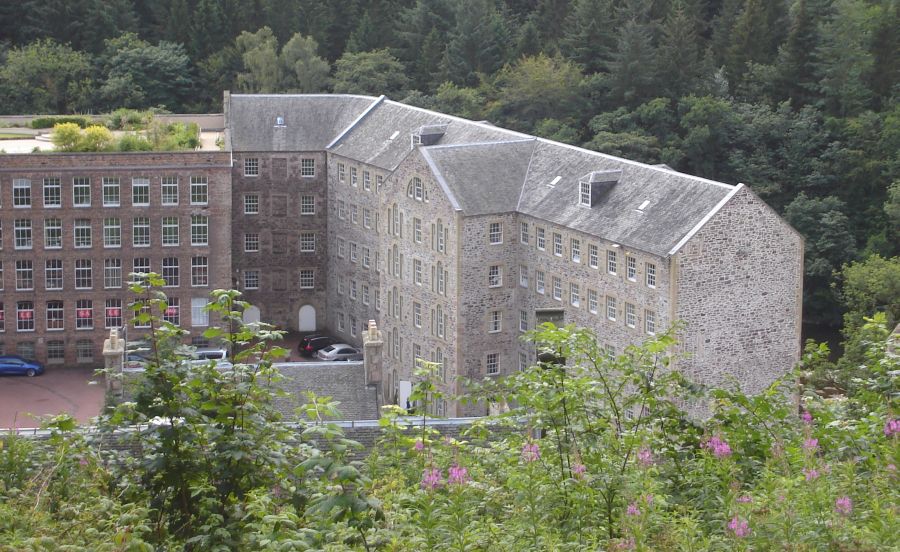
279	121
428	135
643	206
554	182
595	185
394	135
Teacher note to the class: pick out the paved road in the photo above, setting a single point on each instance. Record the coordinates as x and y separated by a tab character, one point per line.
57	390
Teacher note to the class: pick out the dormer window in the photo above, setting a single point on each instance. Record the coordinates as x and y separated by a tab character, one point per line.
584	194
595	185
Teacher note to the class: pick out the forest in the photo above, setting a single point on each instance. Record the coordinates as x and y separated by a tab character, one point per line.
796	98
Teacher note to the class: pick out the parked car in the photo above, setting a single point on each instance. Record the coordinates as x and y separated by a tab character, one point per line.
311	344
13	364
340	351
135	362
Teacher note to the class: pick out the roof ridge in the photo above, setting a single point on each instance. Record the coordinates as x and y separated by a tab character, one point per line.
479	144
724	201
525	177
440	178
355	122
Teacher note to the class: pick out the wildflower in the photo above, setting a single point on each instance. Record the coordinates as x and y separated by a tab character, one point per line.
739	527
457	475
806	417
843	505
82	461
891	468
431	479
892	427
745	499
628	544
531	452
578	470
718	447
811	445
419	446
811	474
648	499
633	510
645	457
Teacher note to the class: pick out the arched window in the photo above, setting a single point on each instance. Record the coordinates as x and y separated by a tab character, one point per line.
396	305
416	189
440	236
395	259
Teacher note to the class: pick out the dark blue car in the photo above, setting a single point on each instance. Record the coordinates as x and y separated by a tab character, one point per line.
12	364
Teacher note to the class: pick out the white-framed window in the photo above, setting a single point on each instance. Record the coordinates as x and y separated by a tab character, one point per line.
611	264
141	265
611	308
84	351
84	278
354	177
251	242
417	230
199	230
199	190
112	196
367	217
342	173
84	314
593	255
21	193
170	272
251	279
592	300
22	234
651	274
584	193
441	237
307	278
24	275
340	322
169	190
352	323
415	189
2	323
557	244
53	274
112	273
576	250
523	361
354	213
56	351
630	267
495	276
495	321
140	231
630	315
367	181
377	299
523	276
170	231
341	248
492	364
523	321
354	248
251	204
56	318
539	281
366	257
307	205
417	272
81	191
650	322
341	209
82	233
495	233
417	314
557	288
575	294
199	314
307	242
52	233
364	291
524	237
112	232
379	180
540	240
1	275
442	276
25	316
307	167
251	166
172	314
112	315
52	193
140	192
199	271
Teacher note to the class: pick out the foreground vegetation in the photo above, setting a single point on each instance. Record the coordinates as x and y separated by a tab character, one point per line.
596	455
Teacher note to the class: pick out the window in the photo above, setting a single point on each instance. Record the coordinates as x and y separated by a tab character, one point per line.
172	314
111	194
307	168
341	209
342	172
557	288
307	242
112	315
417	271
367	181
21	193
199	230
53	274
592	300
441	279
84	278
495	233
84	350
495	276
377	293
199	314
523	321
170	271
495	322
441	320
307	205
650	322
81	191
417	314
140	192
611	262
441	236
630	267
353	288
251	279
365	257
52	193
575	295
365	293
24	275
140	232
584	193
523	233
379	180
523	362
341	248
367	217
169	186
2	323
25	316
84	314
251	166
141	265
630	316
492	364
354	178
593	256
307	279
415	189
354	213
352	320
56	351
539	241
576	250
417	230
112	232
611	308
199	190
1	230
1	275
199	271
523	276
22	233
651	274
251	204
340	322
112	273
539	281
52	233
82	233
170	231
557	244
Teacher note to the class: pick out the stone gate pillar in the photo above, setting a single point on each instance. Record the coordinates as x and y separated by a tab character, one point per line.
114	359
373	359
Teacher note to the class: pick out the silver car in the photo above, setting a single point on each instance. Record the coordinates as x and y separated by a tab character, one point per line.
340	351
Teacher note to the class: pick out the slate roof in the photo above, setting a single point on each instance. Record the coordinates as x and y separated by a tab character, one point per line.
342	381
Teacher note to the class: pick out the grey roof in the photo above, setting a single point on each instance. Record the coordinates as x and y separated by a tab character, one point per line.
344	382
311	121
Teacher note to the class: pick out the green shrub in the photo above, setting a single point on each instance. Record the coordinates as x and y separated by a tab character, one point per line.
95	138
134	142
66	136
128	119
50	122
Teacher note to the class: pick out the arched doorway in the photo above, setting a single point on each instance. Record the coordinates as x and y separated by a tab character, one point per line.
251	315
307	319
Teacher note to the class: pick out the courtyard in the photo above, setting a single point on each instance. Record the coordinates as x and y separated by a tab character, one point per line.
76	391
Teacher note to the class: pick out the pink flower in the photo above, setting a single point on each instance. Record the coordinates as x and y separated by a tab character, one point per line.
648	499
745	499
891	468
718	447
419	446
645	457
457	475
82	461
531	452
843	505
633	510
811	474
739	527
811	445
578	470
806	417
628	544
431	479
892	427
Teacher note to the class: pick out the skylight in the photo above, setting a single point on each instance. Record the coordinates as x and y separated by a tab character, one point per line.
554	182
394	135
644	205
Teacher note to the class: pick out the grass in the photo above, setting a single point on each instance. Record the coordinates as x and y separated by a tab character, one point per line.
14	136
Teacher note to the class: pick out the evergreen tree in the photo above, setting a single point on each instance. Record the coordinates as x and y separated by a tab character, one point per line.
552	15
178	23
796	66
282	17
722	29
208	29
476	43
885	76
757	34
529	40
589	38
678	55
366	36
844	59
632	69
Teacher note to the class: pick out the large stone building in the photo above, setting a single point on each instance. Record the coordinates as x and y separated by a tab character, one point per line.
454	235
